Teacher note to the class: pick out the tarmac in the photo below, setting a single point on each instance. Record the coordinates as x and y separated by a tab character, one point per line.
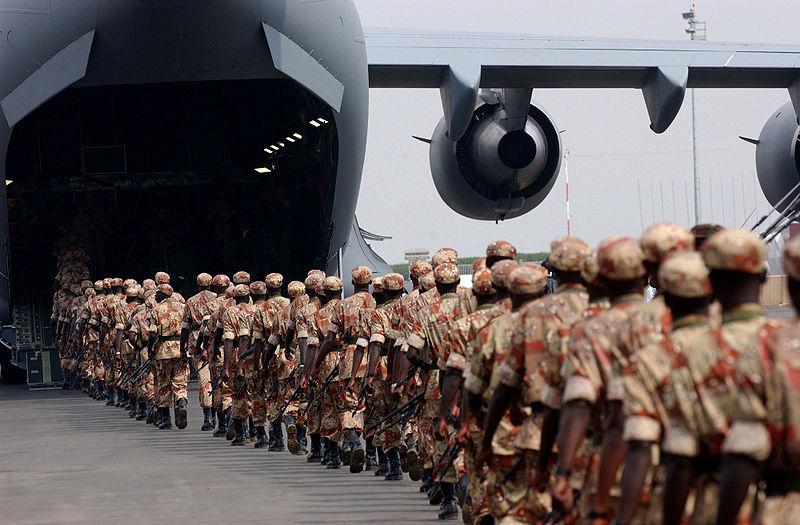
66	458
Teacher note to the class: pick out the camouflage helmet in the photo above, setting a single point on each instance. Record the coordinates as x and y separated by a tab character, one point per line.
89	292
274	280
501	273
133	290
166	289
446	273
258	288
314	280
735	250
162	278
229	290
204	279
332	284
478	264
660	240
419	268
589	269
98	285
241	278
377	284
791	259
241	290
107	283
296	289
75	289
684	274
129	282
528	280
86	284
502	249
149	284
221	280
444	255
482	282
116	282
620	259
427	281
393	282
704	231
316	271
566	253
361	275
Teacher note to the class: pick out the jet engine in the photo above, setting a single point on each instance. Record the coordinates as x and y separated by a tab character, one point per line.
503	165
777	157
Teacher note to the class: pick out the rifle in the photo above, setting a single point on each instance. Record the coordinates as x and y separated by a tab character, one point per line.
297	391
362	397
402	410
140	371
278	385
449	454
411	373
315	396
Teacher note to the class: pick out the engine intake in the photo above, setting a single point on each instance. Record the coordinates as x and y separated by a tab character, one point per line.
491	173
776	156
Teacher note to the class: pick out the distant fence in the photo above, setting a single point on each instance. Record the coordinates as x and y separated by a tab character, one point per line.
775	292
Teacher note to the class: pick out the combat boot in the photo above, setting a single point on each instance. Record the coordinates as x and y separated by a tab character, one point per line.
111	395
414	466
142	413
435	494
166	419
449	509
151	413
301	440
427	480
207	425
238	440
358	455
291	435
372	457
120	398
335	461
277	431
261	434
251	430
222	429
316	449
383	463
395	472
180	413
326	451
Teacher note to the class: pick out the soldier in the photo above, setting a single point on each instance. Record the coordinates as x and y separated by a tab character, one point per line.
503	495
89	331
429	351
196	313
782	503
237	322
61	312
113	316
211	337
737	261
122	346
171	364
317	327
464	343
384	331
598	353
702	232
664	367
348	334
282	346
138	335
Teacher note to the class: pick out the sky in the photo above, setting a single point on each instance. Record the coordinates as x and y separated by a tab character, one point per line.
622	176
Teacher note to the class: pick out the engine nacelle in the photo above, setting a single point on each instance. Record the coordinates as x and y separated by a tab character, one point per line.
776	156
493	174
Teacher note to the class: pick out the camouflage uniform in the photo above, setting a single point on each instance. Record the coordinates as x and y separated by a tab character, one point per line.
237	322
139	326
196	314
266	311
286	354
350	323
323	409
220	388
171	369
429	339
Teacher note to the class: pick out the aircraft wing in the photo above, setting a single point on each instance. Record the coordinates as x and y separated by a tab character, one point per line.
662	69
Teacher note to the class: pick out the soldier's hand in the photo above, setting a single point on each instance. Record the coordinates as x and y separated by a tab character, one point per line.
368	381
239	371
303	381
563	492
463	434
351	384
441	429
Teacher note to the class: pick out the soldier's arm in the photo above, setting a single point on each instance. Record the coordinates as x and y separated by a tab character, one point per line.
227	351
501	400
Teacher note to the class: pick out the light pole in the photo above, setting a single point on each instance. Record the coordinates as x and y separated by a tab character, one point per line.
696	31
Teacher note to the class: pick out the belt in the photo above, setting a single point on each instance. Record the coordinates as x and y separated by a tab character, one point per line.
781	482
163	339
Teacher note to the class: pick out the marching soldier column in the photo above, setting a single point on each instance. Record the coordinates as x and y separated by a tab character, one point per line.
649	387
